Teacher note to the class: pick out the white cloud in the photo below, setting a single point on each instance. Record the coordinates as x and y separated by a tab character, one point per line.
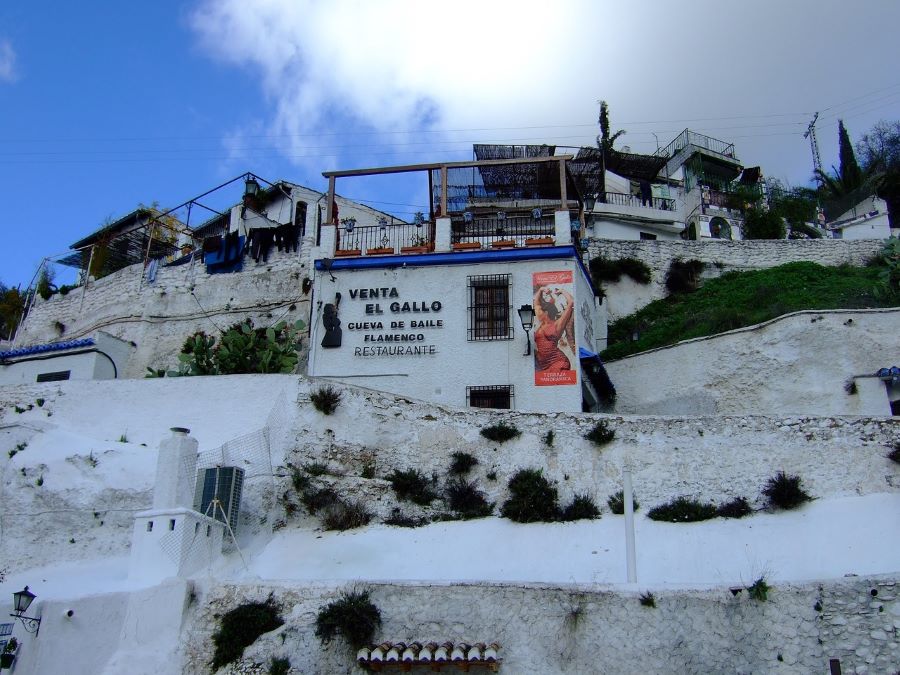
8	72
397	65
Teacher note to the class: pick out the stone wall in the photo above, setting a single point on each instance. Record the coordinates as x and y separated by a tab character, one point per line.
711	458
626	297
551	629
158	317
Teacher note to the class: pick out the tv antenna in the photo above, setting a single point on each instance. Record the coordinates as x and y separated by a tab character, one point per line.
814	144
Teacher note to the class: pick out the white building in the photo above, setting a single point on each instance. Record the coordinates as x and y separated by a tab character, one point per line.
442	321
866	220
101	357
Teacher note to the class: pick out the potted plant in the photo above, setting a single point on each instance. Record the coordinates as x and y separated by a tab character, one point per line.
9	653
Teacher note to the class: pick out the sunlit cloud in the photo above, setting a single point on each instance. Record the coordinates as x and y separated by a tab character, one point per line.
8	72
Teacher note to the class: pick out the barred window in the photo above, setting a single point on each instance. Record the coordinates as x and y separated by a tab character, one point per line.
489	309
54	377
494	396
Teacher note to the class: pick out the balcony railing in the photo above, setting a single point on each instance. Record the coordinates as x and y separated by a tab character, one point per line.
688	137
383	239
623	199
490	229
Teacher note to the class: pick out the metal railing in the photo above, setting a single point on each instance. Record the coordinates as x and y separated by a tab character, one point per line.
688	137
375	239
623	199
489	229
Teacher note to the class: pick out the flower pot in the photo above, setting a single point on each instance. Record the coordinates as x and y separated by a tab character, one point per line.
414	249
382	250
466	246
504	243
347	253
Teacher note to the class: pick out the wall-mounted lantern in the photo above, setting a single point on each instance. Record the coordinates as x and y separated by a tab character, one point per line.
21	602
589	202
526	316
251	187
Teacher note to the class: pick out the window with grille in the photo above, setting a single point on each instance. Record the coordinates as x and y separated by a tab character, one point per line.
495	396
489	309
54	377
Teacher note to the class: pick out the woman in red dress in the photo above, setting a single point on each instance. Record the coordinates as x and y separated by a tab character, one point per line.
552	324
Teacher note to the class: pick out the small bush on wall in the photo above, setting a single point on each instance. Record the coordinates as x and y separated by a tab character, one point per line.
341	515
601	434
683	510
785	492
353	616
684	275
604	269
462	463
411	485
467	500
325	399
500	433
736	508
894	455
616	503
759	590
531	498
240	627
582	507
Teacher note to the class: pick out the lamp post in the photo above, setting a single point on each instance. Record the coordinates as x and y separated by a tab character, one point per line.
526	316
21	602
251	186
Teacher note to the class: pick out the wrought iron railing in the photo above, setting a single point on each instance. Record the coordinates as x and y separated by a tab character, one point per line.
623	199
375	239
688	137
494	228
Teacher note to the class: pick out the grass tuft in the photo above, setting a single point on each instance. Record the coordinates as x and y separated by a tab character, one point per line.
411	485
240	627
462	463
601	434
683	510
353	616
582	507
616	503
784	492
531	499
500	433
325	399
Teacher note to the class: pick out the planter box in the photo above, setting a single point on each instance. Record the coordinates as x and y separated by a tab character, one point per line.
539	241
414	249
6	660
380	251
347	253
466	246
504	243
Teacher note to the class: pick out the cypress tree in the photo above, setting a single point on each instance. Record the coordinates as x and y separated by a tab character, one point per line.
850	173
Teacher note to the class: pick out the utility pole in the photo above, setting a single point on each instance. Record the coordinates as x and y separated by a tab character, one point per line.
814	144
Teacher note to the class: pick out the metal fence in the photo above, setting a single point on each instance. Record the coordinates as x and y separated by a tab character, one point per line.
623	199
488	229
369	239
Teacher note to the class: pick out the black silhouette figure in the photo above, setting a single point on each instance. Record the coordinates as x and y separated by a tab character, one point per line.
332	325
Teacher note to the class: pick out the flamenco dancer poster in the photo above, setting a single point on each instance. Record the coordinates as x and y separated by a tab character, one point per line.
554	333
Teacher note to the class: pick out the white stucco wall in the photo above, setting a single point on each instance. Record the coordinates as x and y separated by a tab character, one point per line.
453	362
795	364
873	227
552	629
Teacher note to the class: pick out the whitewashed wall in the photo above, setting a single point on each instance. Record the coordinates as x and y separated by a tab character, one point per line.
795	364
456	362
548	629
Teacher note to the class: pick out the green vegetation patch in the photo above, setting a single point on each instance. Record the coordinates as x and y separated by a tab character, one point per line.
738	299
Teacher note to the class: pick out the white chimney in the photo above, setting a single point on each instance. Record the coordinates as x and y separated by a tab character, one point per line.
176	471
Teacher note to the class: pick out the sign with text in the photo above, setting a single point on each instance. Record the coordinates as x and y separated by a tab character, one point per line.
554	329
392	326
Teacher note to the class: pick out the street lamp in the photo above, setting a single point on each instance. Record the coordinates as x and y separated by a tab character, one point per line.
251	187
526	316
21	602
589	202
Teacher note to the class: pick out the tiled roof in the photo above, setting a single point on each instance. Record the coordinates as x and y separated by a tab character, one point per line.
404	655
53	347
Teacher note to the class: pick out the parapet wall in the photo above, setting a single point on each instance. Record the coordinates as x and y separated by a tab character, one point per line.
626	297
158	317
545	629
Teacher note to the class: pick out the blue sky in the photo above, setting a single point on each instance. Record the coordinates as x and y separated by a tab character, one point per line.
107	105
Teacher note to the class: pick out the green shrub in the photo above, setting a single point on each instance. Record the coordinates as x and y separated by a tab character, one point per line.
467	500
531	499
648	600
242	349
317	499
736	508
341	515
240	627
368	470
500	433
400	519
325	399
784	492
39	402
601	434
279	666
582	507
683	276
548	438
759	590
353	616
761	224
412	486
462	463
616	503
605	270
683	510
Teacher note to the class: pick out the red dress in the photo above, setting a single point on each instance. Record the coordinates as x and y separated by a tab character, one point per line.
547	355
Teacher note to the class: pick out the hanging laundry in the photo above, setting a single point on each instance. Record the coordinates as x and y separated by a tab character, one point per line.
152	267
212	244
261	240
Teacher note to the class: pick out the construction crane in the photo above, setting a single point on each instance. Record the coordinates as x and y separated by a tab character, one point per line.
814	144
